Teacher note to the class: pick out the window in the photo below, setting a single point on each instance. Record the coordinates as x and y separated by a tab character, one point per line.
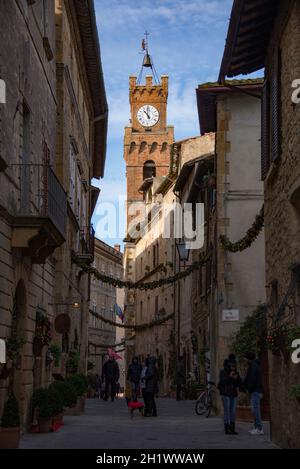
271	117
143	147
132	147
154	147
149	170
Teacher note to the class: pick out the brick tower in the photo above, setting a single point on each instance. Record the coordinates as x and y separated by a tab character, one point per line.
148	139
147	150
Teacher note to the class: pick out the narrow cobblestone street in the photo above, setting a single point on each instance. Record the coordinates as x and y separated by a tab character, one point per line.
107	425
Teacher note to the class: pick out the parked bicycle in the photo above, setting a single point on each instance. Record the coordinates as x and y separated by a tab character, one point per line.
204	402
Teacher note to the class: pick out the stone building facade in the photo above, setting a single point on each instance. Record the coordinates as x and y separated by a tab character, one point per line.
48	129
109	261
193	313
234	284
277	52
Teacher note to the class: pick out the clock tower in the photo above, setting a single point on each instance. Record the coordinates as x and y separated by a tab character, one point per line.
148	139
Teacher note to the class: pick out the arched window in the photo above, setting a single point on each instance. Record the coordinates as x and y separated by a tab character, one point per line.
143	147
153	147
149	169
164	146
132	147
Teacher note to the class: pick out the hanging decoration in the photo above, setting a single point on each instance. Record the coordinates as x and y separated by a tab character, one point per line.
137	327
248	239
43	331
149	285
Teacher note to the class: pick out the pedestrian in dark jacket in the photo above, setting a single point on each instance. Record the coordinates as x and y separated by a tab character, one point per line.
151	380
134	376
110	374
229	384
253	384
180	377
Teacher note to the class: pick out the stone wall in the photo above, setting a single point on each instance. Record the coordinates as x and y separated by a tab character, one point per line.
282	220
30	76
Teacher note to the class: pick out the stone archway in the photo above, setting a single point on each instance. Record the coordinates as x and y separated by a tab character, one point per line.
18	330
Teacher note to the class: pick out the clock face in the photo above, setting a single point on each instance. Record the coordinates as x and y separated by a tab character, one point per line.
148	115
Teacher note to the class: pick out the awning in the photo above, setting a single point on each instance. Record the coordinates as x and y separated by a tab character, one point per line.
248	37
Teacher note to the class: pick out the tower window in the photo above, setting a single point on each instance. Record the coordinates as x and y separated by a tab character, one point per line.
153	147
143	147
164	146
132	147
149	169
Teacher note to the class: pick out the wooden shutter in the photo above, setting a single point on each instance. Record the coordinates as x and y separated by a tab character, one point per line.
276	108
265	130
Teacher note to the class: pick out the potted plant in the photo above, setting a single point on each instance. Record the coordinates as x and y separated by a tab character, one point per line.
67	393
80	383
47	403
77	383
10	424
57	400
72	363
55	351
294	392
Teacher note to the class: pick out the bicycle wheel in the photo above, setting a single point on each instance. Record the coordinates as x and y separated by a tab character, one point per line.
201	404
209	404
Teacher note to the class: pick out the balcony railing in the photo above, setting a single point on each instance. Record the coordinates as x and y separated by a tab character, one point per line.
41	194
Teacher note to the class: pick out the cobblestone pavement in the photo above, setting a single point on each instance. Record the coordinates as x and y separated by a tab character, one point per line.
107	425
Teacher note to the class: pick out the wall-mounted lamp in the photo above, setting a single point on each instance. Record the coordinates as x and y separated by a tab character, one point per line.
74	304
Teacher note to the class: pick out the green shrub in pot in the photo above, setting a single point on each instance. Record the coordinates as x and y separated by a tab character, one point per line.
11	413
66	391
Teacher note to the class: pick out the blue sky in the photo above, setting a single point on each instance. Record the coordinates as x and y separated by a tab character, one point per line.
187	39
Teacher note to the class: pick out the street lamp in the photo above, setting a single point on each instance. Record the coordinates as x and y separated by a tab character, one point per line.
184	253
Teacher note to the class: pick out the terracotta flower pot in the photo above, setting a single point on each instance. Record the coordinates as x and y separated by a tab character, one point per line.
58	418
9	438
244	413
75	410
44	425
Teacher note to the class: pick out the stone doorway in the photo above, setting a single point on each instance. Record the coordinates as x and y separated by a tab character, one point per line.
18	330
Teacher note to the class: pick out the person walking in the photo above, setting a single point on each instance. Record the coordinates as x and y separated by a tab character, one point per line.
143	381
253	384
180	377
134	376
151	379
110	374
229	383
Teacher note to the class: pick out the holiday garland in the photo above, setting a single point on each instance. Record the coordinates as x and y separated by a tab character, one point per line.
137	327
149	285
248	239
